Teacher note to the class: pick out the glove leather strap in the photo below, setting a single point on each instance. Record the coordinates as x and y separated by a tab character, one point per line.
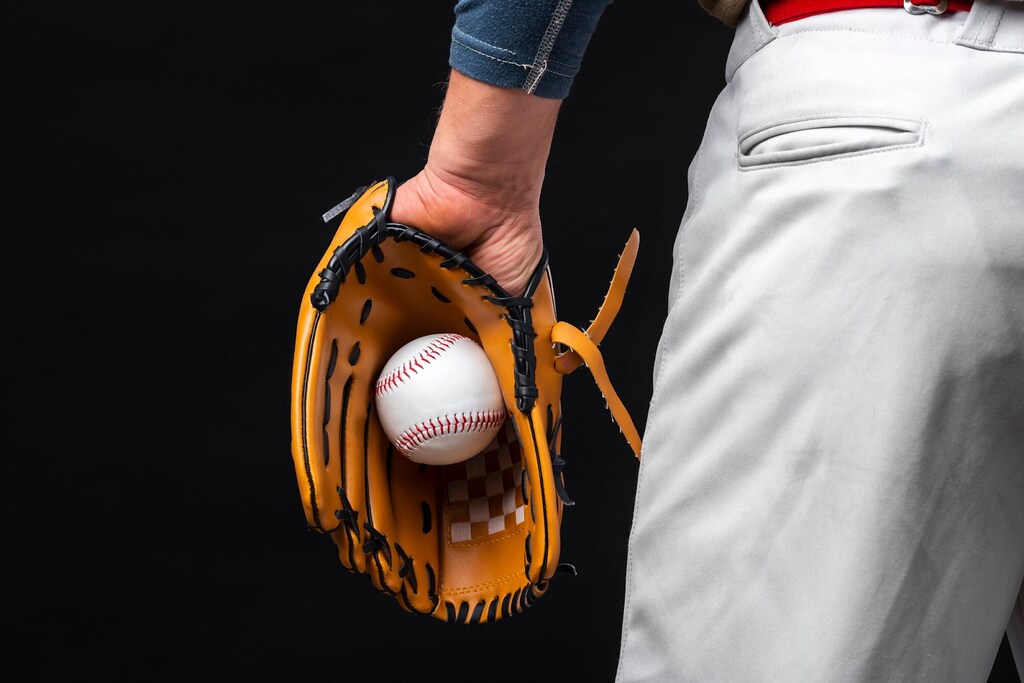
570	360
585	348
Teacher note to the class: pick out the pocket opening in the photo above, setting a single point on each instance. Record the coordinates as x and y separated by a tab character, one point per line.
823	138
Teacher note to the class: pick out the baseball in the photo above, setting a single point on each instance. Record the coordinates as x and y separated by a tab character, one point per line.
438	399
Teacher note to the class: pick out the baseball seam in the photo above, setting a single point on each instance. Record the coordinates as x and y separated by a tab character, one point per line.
418	434
412	366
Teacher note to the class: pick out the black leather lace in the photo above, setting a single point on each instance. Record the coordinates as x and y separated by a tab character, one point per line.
347	514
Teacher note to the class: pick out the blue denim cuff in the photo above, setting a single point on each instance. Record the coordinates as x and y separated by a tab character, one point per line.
535	45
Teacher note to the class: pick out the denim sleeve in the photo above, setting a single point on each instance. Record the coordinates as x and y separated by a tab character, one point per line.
536	45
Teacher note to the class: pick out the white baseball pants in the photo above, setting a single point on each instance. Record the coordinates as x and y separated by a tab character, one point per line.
832	483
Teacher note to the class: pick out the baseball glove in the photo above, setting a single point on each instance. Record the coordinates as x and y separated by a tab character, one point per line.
470	542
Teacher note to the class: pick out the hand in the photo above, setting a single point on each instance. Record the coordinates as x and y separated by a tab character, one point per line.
480	188
501	235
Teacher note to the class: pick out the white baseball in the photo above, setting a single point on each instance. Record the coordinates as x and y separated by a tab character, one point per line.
438	399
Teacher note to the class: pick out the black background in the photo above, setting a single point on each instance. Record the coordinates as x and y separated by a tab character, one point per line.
168	166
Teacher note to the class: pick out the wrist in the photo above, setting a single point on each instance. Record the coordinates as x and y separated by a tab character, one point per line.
492	142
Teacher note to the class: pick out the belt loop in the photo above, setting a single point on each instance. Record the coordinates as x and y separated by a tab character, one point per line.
752	33
995	26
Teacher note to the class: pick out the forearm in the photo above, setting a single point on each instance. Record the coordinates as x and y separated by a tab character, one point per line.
480	188
513	62
493	142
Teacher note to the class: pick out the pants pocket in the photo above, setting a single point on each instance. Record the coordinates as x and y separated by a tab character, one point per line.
824	138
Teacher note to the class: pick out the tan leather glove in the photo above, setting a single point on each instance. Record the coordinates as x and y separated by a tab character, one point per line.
419	532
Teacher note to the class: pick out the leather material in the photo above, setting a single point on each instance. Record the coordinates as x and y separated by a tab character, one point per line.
468	542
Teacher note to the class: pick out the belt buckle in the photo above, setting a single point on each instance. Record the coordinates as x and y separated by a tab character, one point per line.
939	8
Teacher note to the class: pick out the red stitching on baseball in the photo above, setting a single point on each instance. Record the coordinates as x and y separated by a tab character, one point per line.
418	434
415	364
